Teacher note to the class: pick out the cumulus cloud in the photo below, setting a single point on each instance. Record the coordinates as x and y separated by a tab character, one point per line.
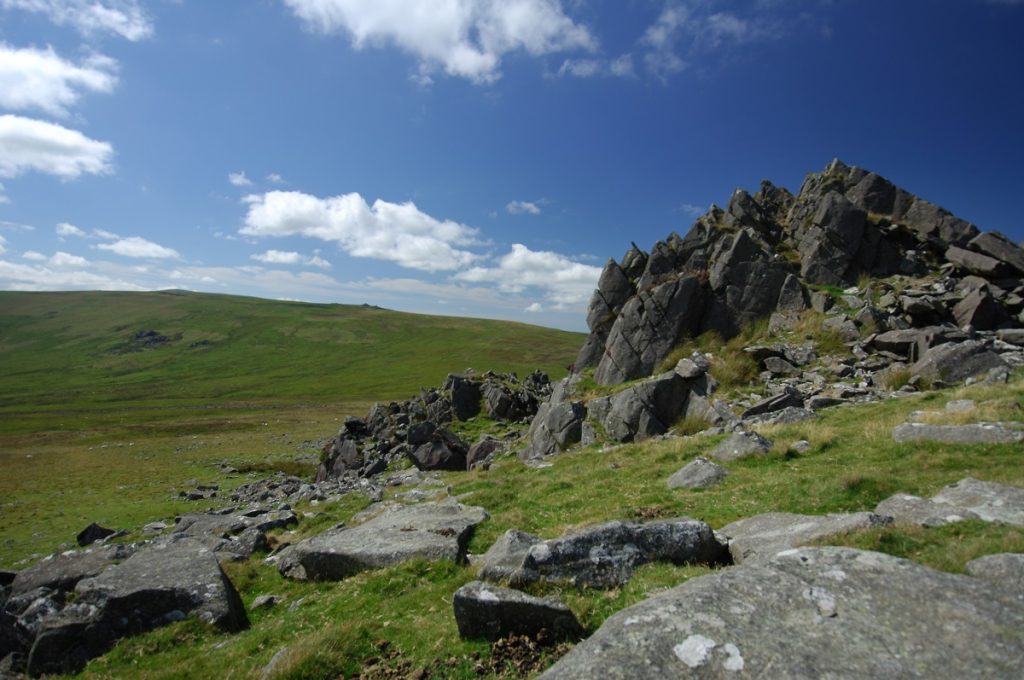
660	40
34	145
522	208
40	79
465	38
33	256
135	246
289	257
239	179
65	229
3	196
563	281
534	308
3	243
275	178
397	232
64	275
62	259
119	17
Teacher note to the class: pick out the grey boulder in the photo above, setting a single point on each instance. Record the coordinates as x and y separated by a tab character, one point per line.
956	361
973	433
157	585
759	538
740	445
908	509
433	531
491	612
700	473
991	501
812	613
1006	569
62	571
607	554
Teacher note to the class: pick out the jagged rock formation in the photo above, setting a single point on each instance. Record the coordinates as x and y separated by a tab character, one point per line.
757	256
415	429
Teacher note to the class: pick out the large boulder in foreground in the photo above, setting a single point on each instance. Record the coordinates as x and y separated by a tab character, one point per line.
812	613
759	538
162	583
433	531
487	611
601	556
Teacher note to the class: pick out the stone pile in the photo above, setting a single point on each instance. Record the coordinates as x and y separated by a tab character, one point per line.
416	429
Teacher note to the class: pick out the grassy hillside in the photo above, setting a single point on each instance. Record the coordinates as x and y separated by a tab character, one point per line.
98	422
61	348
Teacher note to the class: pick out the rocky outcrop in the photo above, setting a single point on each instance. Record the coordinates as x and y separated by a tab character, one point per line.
812	613
700	473
433	531
755	257
602	556
974	433
483	610
415	429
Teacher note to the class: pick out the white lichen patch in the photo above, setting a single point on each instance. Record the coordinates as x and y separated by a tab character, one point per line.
694	650
734	660
835	574
823	600
487	596
540	552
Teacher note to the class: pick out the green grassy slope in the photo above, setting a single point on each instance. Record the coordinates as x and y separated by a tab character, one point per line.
66	348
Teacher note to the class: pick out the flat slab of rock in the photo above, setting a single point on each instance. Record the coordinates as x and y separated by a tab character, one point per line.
433	531
740	445
161	583
956	361
812	613
62	571
759	538
234	535
991	501
604	555
700	473
973	433
487	611
907	509
1006	569
789	397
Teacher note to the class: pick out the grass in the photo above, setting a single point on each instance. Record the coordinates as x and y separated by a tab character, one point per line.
125	467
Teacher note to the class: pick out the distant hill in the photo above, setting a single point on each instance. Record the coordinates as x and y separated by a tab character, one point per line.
108	347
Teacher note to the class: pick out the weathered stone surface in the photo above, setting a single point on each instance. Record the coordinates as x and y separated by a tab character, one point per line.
812	613
991	501
649	408
62	571
1004	569
740	445
341	455
758	538
234	534
483	451
491	612
557	426
504	559
997	246
436	531
976	263
605	555
700	473
956	361
979	310
786	416
914	342
153	587
788	397
907	509
444	451
464	395
973	433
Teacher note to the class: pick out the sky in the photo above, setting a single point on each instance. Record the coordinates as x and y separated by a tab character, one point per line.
468	157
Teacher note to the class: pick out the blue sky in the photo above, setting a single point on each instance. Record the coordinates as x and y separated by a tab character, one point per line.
468	157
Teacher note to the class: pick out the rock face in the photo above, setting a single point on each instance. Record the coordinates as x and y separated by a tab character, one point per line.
758	538
433	531
812	613
991	501
415	429
741	445
601	556
974	433
491	612
753	259
153	587
1004	569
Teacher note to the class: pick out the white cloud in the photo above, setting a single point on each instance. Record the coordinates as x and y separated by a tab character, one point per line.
465	38
275	178
660	41
397	232
15	276
39	79
535	308
563	281
120	17
239	179
522	208
33	145
3	242
102	233
135	246
61	259
692	210
288	257
33	256
3	197
620	67
65	229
